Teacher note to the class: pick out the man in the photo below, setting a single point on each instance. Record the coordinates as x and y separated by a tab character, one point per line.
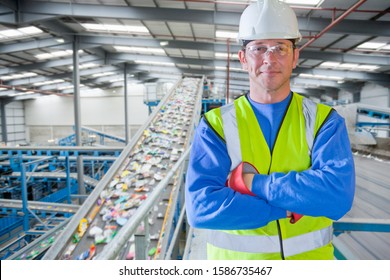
289	159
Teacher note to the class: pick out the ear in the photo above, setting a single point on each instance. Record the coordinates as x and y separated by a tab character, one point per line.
242	58
295	57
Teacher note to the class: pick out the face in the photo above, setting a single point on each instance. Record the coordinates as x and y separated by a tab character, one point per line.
269	64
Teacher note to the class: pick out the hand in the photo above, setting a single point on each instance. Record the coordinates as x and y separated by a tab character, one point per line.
241	178
294	217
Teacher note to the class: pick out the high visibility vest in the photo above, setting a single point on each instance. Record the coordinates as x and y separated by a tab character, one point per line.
236	123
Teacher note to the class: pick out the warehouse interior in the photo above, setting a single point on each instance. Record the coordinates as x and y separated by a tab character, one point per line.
99	99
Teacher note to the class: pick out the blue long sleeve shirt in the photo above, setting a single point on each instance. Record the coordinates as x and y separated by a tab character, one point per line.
326	189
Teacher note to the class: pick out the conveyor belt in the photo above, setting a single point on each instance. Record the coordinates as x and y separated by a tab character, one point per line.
137	172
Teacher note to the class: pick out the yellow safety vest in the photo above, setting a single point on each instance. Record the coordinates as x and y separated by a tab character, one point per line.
310	237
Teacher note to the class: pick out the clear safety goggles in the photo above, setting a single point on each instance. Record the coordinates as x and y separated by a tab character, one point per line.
259	51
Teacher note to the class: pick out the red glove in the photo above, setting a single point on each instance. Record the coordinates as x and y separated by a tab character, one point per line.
294	217
236	181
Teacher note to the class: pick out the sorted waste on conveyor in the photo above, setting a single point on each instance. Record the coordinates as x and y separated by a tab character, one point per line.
159	147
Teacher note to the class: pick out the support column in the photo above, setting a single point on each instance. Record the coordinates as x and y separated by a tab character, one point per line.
3	123
77	118
126	105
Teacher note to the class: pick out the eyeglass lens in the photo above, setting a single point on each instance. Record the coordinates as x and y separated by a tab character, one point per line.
261	50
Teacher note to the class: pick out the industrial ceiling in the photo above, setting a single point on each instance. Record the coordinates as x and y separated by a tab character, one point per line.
345	45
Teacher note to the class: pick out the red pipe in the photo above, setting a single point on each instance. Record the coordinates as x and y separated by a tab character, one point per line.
334	22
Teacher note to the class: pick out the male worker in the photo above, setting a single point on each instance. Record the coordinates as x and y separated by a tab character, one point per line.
289	159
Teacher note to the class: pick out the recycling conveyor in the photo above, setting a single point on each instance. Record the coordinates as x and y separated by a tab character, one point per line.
132	210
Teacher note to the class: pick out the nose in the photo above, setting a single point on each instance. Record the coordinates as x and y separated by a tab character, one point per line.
269	55
269	50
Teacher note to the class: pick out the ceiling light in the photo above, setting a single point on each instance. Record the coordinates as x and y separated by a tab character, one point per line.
329	64
11	33
304	2
237	69
42	56
48	82
164	43
368	67
18	76
387	47
348	65
225	55
226	34
371	45
66	87
31	30
155	63
139	50
20	32
116	80
321	77
85	66
94	27
102	74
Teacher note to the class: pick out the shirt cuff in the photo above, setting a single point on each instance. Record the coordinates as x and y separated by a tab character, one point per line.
278	213
259	186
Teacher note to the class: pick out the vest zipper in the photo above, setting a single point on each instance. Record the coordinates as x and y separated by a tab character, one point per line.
269	170
280	240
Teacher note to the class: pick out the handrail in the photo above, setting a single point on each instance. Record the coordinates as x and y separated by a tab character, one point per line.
175	234
188	243
51	233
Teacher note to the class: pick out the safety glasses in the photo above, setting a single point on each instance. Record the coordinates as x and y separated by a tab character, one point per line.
259	51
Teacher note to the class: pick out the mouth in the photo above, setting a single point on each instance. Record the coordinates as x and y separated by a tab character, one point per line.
270	72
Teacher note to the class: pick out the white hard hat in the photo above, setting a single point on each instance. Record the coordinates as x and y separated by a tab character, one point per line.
268	19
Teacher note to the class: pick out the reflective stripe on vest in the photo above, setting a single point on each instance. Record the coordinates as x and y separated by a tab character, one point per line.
310	114
271	244
230	129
